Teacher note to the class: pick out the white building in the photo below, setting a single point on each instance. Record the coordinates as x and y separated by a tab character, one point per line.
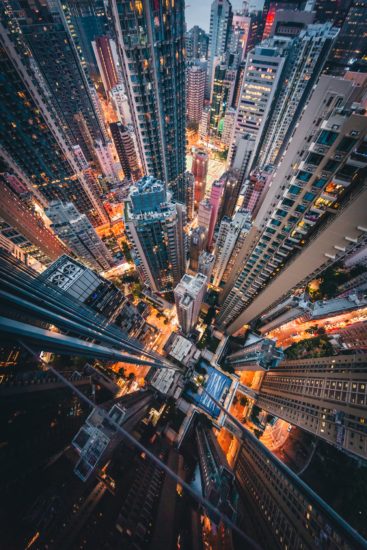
189	294
76	231
232	233
107	158
229	120
204	124
264	66
306	60
121	104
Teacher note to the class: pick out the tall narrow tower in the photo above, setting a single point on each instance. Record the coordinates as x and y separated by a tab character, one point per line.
150	39
219	34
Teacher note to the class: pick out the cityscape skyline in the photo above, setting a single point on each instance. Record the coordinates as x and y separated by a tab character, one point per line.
183	274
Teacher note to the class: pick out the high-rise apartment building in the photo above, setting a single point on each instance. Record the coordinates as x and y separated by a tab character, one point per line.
325	396
155	227
205	214
46	33
196	77
123	138
240	32
107	159
27	230
204	124
206	264
256	188
189	295
231	190
223	84
279	509
29	305
228	124
258	354
198	240
199	170
106	63
231	235
188	198
121	105
34	145
99	436
84	285
215	202
154	78
76	231
263	74
219	34
348	52
305	61
196	43
218	481
312	214
88	20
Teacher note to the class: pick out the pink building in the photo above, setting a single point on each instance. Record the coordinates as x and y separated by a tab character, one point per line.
257	188
205	214
215	200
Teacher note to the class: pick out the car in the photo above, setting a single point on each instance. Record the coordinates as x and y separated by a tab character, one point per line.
289	428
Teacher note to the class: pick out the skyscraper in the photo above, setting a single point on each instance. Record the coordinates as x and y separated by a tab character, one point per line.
198	242
204	124
188	199
99	435
45	31
256	355
88	19
231	190
218	483
256	188
196	42
215	202
154	78
270	518
206	264
34	145
22	226
155	227
304	64
106	63
350	46
205	214
123	139
199	170
333	393
196	76
79	235
229	120
219	34
107	159
189	295
28	303
223	85
231	235
264	67
321	172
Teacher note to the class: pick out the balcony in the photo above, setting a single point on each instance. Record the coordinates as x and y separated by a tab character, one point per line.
318	148
329	196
